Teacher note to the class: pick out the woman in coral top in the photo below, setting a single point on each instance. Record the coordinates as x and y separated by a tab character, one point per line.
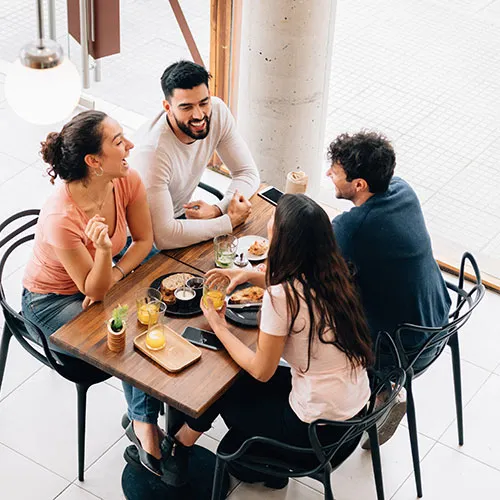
84	222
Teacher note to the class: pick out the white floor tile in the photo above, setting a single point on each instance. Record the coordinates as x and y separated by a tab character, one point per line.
29	189
19	367
116	383
294	491
434	394
10	166
480	336
76	493
480	417
13	287
218	429
51	402
22	479
103	478
447	473
356	473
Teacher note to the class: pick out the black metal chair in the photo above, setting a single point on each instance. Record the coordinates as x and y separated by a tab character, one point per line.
416	361
214	191
269	457
80	373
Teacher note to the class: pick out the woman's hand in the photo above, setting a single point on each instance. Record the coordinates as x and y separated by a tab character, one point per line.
97	232
216	319
237	277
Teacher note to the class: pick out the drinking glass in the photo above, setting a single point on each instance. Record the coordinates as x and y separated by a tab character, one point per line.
156	338
216	289
225	247
148	302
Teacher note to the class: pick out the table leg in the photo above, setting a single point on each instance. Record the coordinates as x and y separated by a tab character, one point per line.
174	420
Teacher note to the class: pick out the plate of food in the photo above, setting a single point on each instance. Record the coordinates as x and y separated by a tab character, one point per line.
244	304
178	304
255	247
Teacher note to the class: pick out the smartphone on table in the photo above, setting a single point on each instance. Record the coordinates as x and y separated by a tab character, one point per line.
202	338
271	194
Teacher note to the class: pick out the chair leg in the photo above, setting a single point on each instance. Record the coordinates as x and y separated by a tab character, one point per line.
412	429
82	408
327	472
376	463
220	469
457	382
4	349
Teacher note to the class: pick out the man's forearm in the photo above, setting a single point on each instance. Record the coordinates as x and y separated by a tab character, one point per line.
179	233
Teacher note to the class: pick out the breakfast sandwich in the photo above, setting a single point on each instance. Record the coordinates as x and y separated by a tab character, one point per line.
247	295
170	284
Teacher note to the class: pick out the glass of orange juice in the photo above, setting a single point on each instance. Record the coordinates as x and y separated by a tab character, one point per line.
155	338
148	302
216	289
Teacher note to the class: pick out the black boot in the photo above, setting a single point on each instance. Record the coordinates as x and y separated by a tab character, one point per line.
175	462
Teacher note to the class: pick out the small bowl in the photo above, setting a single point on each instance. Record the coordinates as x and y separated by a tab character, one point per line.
185	296
196	284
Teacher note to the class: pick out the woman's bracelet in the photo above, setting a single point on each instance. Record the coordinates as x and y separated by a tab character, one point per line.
120	269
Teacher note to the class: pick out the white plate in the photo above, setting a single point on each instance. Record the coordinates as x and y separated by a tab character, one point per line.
244	244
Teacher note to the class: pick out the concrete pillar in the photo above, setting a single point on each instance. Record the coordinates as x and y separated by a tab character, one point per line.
286	53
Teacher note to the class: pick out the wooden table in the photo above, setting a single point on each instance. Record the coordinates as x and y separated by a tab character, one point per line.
194	389
201	256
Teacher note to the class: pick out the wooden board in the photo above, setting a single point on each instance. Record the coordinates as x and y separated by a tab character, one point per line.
177	354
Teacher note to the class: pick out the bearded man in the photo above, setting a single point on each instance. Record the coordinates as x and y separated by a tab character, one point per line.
173	151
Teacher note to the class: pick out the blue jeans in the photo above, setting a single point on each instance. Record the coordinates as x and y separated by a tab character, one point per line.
50	311
151	254
141	406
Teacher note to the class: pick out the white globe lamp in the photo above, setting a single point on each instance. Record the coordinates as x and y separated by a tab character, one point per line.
42	86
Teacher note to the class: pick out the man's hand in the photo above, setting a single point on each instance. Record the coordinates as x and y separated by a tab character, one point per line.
200	209
239	209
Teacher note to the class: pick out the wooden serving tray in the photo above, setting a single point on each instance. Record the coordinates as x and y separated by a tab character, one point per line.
175	356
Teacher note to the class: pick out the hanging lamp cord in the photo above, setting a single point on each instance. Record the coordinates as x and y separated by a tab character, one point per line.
40	23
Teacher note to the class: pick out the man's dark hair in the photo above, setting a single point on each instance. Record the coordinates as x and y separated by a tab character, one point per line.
183	75
365	155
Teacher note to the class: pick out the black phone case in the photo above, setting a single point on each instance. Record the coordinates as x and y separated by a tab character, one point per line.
201	342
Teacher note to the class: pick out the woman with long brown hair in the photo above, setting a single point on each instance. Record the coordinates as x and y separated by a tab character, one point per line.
311	316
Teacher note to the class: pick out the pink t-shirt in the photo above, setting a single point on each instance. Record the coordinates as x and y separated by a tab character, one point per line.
62	225
330	388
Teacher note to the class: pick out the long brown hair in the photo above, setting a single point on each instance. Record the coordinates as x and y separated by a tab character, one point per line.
303	251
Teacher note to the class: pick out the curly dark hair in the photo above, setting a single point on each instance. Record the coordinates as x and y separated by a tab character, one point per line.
305	259
365	155
65	151
183	75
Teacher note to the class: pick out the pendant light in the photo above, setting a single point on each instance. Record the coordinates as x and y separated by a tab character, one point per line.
42	86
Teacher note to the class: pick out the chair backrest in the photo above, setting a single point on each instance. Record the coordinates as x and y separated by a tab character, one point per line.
294	461
14	232
437	338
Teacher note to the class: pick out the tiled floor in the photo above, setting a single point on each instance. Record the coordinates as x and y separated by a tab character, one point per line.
427	73
38	428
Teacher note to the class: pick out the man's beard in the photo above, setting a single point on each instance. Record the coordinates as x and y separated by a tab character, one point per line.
194	135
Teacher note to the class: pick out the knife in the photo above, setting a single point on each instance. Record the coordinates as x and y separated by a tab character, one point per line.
255	305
